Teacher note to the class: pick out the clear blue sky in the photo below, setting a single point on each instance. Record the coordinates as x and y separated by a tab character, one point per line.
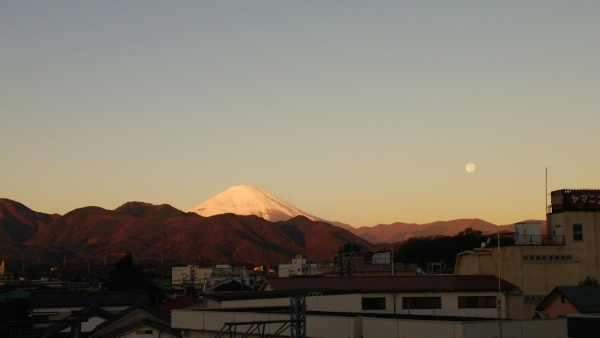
361	112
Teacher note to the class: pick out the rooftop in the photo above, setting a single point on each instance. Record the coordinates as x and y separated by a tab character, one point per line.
586	299
438	283
68	298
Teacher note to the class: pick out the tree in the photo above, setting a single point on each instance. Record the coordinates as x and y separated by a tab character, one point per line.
423	250
588	281
127	276
352	247
470	232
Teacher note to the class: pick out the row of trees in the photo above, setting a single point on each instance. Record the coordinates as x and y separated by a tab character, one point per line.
422	250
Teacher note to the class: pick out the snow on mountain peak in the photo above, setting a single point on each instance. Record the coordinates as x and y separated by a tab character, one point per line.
249	200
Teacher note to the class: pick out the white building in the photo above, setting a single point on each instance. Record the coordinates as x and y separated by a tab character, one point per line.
369	307
201	324
300	267
458	296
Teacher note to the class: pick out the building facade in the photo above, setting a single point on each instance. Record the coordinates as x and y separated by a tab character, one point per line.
567	253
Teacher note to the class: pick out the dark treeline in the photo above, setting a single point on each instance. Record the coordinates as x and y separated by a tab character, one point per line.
423	250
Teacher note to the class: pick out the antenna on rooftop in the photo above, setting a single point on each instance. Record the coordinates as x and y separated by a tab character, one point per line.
546	205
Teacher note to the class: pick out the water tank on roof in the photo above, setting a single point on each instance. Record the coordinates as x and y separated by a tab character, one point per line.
528	233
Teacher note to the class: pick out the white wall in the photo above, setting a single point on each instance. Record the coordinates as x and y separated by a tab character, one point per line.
353	303
155	333
206	324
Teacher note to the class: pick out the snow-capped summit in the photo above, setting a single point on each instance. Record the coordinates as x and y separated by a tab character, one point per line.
249	200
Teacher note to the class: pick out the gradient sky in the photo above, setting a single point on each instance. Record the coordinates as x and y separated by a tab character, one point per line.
362	112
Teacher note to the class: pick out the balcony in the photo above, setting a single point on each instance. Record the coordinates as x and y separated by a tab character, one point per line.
514	238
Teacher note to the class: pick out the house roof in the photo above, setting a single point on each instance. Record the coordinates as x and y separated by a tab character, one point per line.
68	298
15	294
86	313
246	295
476	251
178	303
130	317
586	299
165	330
438	283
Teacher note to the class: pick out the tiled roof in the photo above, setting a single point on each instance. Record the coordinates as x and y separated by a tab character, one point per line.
178	303
437	283
586	299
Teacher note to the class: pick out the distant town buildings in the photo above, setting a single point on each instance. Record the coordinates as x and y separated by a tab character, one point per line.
4	276
222	277
366	263
300	267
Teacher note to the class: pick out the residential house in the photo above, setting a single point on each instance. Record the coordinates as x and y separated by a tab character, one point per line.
135	321
56	305
79	323
569	300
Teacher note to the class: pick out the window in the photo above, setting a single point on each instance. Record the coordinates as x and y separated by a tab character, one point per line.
143	332
476	302
577	232
547	258
421	303
533	299
373	303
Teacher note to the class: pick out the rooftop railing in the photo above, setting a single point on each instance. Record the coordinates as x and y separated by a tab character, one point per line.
514	238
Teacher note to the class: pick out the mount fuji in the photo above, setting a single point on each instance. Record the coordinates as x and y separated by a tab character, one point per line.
250	200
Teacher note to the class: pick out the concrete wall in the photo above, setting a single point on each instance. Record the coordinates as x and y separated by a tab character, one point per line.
353	303
206	324
474	263
155	333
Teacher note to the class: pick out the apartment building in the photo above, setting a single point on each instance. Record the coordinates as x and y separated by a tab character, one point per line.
568	251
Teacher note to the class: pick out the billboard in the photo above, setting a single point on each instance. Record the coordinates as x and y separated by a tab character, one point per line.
575	200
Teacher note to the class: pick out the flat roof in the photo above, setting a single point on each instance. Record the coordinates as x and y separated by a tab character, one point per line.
431	283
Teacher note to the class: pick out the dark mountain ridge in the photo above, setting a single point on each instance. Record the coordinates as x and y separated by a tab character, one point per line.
18	222
154	232
398	232
163	233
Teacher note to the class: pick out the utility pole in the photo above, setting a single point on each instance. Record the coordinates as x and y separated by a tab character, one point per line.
298	315
350	260
392	255
499	289
341	265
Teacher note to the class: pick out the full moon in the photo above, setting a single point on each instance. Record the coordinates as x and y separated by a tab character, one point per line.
470	167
